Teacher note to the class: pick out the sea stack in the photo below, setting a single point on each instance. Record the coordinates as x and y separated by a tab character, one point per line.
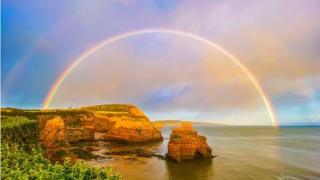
186	144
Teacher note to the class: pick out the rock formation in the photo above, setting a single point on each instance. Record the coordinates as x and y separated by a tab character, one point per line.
53	134
186	144
76	127
58	131
124	123
105	122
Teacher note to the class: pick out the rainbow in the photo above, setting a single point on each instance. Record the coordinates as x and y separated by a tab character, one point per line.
110	40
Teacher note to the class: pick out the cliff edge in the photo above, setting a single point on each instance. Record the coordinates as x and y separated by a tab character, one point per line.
113	122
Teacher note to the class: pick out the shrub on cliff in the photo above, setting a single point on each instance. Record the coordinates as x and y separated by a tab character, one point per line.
23	158
18	164
19	131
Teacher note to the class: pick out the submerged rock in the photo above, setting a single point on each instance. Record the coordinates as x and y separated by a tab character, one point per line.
186	144
136	152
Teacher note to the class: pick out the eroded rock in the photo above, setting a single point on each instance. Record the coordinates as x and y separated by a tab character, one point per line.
76	126
133	131
125	123
53	133
186	144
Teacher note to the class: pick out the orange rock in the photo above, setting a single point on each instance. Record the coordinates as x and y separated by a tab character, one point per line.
102	124
121	122
79	127
106	122
186	144
136	112
116	122
133	131
59	132
53	133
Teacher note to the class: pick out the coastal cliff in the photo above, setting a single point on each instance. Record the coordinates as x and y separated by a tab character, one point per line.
78	133
186	144
123	123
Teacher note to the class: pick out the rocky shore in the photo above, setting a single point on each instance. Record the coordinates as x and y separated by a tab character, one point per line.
91	132
122	123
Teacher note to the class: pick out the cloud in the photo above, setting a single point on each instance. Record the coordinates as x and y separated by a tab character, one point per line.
277	40
174	77
166	95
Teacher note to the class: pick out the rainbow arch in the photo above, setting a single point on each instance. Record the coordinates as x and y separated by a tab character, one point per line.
54	88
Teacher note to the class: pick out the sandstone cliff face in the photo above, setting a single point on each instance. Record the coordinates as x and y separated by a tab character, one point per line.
53	133
124	123
75	127
106	122
60	129
186	144
129	131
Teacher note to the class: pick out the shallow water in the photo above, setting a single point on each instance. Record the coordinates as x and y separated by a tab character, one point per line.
244	153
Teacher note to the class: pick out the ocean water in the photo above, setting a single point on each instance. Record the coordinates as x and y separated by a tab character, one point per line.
243	153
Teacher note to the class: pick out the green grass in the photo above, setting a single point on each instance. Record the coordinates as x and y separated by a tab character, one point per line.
110	107
22	157
19	131
10	122
33	114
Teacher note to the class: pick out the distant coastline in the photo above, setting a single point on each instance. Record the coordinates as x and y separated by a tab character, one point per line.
173	123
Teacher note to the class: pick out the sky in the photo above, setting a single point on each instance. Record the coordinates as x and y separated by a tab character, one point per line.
168	76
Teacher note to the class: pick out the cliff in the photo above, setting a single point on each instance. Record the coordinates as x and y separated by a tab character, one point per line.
124	123
62	129
186	144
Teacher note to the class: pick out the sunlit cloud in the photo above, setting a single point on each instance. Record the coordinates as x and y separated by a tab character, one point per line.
168	76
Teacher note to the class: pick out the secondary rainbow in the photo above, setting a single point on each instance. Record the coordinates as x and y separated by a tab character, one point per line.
110	40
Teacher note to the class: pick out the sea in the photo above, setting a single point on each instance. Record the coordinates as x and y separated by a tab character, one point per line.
243	152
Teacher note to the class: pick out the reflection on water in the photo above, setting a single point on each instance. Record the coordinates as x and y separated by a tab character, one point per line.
199	169
244	153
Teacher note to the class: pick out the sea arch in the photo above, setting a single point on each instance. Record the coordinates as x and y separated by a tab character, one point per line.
54	88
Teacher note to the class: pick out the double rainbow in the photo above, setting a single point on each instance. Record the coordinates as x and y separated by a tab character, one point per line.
55	87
